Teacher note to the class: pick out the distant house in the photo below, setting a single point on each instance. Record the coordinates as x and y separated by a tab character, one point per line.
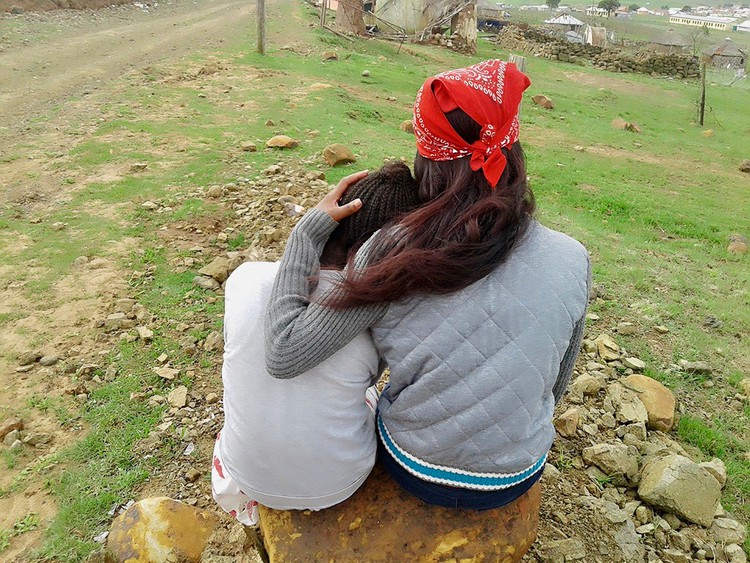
711	22
669	42
594	11
744	26
565	22
726	55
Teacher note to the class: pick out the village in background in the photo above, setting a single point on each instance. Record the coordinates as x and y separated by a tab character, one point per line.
658	40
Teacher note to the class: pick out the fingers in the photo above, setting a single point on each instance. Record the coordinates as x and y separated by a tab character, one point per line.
341	212
347	181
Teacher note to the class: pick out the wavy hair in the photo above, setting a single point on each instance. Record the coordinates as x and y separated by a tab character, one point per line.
462	231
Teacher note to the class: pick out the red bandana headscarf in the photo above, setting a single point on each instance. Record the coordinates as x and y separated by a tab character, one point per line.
490	93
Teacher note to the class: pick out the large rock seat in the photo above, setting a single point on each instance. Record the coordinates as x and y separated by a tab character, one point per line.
381	522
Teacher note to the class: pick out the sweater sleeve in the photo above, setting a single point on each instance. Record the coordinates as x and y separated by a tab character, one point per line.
299	334
571	354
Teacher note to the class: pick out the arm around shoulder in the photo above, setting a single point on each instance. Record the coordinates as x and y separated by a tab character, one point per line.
299	334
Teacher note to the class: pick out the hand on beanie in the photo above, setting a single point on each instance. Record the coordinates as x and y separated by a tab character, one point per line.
330	203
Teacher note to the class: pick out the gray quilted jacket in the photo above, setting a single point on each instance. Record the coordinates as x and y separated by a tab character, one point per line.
474	375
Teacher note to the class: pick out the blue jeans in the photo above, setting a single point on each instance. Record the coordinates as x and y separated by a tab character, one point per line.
452	497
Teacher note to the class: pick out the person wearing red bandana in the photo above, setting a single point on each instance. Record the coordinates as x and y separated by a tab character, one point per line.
475	306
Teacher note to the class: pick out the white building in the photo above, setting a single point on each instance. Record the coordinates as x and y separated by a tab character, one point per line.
711	22
594	11
744	26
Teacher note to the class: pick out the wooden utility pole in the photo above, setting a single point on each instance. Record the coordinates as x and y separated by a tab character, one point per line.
261	16
323	13
703	94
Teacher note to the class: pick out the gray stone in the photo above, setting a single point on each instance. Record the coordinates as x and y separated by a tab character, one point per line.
698	368
627	329
675	556
626	405
615	460
634	363
567	423
217	269
9	425
214	342
178	397
678	485
607	348
144	333
16	446
206	283
562	551
27	358
735	553
585	384
11	437
726	530
716	468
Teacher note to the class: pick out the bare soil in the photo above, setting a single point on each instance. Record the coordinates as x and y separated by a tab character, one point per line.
53	66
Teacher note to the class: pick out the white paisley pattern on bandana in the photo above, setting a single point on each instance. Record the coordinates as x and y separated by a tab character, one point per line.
488	78
482	76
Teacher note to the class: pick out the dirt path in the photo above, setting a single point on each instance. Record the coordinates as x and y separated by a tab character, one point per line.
56	72
76	61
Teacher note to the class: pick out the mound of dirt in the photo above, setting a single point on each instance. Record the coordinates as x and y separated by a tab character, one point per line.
20	6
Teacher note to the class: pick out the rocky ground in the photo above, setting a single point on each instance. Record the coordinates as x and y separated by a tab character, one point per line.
617	486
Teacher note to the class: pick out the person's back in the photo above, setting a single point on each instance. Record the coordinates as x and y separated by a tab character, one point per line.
474	371
303	443
307	443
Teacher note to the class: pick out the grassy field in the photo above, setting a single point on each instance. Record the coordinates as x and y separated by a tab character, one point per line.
654	209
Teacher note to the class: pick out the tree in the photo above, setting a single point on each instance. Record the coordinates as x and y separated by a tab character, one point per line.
686	9
553	4
349	16
609	5
633	7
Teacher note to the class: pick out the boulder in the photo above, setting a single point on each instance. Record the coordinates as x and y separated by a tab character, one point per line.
680	486
735	553
338	154
407	126
745	166
381	522
615	460
159	529
281	142
544	101
330	56
658	400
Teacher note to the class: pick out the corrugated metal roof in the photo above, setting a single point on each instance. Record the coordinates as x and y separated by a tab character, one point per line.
564	19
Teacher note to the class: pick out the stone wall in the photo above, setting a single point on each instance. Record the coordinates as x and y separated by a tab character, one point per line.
540	44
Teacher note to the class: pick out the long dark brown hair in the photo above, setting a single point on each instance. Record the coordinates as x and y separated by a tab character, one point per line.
463	230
